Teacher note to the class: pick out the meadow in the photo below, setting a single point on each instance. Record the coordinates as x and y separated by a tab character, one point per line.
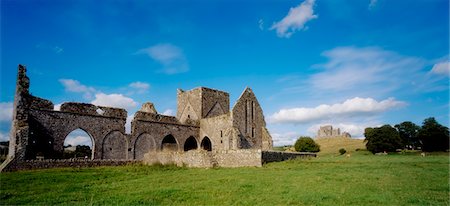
361	179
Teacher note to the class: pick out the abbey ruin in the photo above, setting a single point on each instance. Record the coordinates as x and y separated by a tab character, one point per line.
204	133
327	131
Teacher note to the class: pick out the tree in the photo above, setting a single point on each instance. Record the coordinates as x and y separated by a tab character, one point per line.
306	144
433	135
408	133
382	139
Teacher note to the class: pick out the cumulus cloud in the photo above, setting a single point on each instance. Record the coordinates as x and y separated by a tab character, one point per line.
170	56
296	19
72	85
168	112
6	111
57	107
261	24
78	137
441	68
286	138
140	87
114	100
4	136
351	107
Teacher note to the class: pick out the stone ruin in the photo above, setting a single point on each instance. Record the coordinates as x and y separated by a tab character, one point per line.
327	131
204	133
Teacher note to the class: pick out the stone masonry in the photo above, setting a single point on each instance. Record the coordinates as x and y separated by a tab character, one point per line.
204	132
327	131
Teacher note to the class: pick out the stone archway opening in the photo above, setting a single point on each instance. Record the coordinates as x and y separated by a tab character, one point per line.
169	143
206	144
78	144
190	144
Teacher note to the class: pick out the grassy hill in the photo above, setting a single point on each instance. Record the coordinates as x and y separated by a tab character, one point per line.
332	145
362	179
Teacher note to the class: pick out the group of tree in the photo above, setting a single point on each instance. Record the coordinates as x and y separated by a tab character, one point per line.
81	151
431	136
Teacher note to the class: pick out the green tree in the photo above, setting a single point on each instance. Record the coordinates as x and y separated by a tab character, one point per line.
408	133
382	139
306	144
434	136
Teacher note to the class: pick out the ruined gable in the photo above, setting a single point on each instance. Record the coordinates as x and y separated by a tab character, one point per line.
248	118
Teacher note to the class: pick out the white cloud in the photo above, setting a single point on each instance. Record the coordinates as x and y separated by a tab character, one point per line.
372	4
359	70
4	136
296	19
351	107
170	56
442	68
57	107
128	124
140	87
6	111
114	100
168	112
72	85
286	138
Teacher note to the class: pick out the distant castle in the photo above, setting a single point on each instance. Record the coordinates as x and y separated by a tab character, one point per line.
327	131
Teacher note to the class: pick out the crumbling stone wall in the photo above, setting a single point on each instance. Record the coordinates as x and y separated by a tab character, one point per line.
248	118
204	131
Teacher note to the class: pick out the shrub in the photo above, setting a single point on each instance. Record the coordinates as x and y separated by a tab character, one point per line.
342	151
306	144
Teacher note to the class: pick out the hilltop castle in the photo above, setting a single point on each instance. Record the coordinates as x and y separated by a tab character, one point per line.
327	131
205	132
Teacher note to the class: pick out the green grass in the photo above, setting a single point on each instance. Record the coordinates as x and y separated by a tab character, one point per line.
332	145
362	179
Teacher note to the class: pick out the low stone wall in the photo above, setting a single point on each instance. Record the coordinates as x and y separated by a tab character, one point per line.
228	158
278	156
44	164
202	158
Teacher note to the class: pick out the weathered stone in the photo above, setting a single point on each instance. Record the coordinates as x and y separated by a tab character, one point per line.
327	131
204	133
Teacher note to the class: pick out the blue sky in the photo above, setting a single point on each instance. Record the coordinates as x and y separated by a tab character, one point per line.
350	63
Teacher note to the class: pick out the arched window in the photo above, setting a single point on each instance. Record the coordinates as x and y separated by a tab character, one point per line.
169	143
78	144
190	144
206	144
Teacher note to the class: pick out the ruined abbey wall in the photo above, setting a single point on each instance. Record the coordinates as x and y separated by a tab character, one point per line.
203	133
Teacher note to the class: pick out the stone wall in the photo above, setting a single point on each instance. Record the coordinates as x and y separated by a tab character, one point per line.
223	158
202	158
45	164
278	156
248	118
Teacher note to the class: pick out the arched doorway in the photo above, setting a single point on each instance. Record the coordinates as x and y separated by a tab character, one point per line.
78	144
190	144
169	143
144	144
206	144
114	146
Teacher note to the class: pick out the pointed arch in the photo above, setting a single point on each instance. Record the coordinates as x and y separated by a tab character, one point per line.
114	146
143	144
190	144
169	143
206	144
78	137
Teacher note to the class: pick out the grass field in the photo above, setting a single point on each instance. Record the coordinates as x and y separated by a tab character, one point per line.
362	179
332	145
